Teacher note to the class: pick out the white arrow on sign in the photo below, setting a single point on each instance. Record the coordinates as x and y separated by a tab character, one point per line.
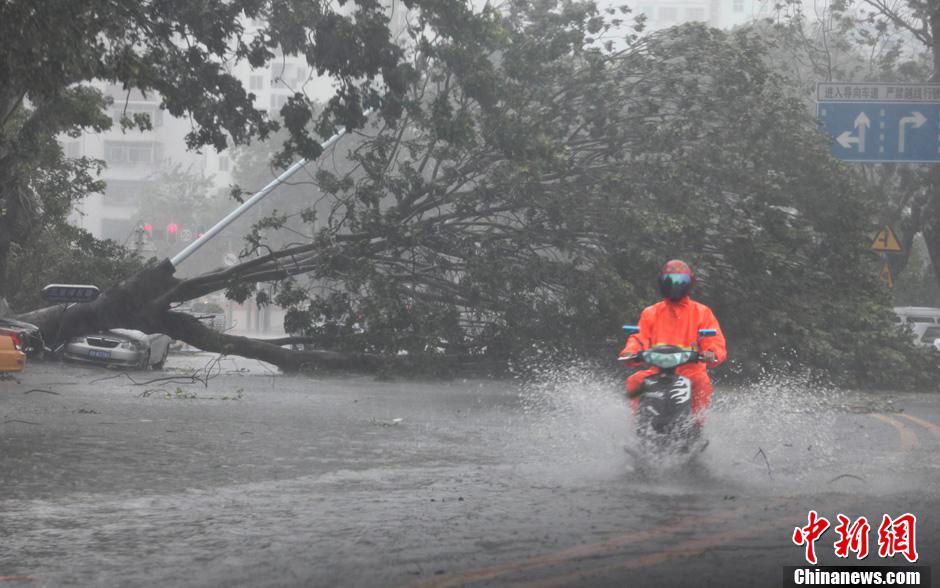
916	120
862	122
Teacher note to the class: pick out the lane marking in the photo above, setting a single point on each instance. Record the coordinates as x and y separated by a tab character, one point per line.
908	437
684	549
687	548
924	423
581	551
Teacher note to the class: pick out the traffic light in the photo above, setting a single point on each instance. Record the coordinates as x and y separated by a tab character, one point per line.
171	230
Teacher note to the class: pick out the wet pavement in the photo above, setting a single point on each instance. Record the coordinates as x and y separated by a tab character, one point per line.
249	478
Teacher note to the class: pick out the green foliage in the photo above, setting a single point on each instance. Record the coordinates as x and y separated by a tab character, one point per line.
64	254
524	180
183	197
917	285
184	51
536	183
864	41
38	184
37	244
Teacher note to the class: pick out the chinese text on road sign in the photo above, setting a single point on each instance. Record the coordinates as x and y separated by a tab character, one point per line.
881	122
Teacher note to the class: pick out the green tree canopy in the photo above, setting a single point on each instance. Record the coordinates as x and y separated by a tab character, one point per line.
539	168
183	50
539	177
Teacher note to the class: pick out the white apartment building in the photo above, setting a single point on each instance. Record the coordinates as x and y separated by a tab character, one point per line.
722	14
135	157
132	157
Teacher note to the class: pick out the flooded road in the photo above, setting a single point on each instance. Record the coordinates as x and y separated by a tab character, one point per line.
261	480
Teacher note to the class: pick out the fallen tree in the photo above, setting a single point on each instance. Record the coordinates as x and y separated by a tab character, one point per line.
144	301
526	197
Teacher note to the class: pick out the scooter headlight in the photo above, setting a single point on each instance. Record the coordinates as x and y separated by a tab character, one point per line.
667	360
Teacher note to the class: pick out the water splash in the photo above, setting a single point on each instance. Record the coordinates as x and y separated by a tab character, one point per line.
784	433
778	432
576	423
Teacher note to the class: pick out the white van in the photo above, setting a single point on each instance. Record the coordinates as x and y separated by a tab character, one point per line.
923	321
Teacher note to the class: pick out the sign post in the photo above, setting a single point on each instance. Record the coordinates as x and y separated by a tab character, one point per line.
180	257
881	122
886	242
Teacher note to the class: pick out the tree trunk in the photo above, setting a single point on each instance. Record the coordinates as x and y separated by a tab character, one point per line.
932	209
910	225
188	328
932	220
5	242
141	302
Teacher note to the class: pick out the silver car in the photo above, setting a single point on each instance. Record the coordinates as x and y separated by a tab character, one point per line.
120	347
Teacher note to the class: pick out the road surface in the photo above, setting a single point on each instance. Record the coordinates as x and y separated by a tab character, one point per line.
254	479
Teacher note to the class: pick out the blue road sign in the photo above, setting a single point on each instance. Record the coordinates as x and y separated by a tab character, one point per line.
882	131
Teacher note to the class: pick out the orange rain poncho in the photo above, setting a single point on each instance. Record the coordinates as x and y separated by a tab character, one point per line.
677	323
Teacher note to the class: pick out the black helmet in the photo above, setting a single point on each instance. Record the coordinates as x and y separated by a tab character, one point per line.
676	280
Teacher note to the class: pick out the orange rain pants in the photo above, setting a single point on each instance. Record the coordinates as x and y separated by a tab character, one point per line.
677	323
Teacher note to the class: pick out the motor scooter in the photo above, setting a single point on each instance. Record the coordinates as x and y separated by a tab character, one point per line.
665	425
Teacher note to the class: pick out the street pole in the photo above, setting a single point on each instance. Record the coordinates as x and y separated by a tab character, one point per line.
177	259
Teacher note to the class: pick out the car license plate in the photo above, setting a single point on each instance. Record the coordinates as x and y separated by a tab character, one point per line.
96	354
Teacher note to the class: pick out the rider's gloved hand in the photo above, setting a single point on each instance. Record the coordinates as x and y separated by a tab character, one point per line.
709	356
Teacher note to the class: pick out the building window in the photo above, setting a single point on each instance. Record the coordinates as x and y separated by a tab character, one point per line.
277	101
124	192
224	163
290	76
117	229
156	114
738	6
696	13
256	82
668	13
120	95
129	153
73	149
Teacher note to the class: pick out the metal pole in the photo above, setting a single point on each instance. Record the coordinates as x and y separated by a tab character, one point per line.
230	218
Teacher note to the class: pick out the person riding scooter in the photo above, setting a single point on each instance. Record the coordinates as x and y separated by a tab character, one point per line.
676	320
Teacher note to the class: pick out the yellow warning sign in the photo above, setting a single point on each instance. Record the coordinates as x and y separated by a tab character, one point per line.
886	240
886	275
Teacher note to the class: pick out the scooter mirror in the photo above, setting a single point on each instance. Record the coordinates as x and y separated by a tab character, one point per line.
707	332
631	329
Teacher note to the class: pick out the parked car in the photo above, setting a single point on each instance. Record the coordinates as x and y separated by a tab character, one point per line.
11	358
921	321
930	337
120	347
209	314
29	335
917	314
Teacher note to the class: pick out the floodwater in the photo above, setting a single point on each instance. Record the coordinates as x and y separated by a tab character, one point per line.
255	479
